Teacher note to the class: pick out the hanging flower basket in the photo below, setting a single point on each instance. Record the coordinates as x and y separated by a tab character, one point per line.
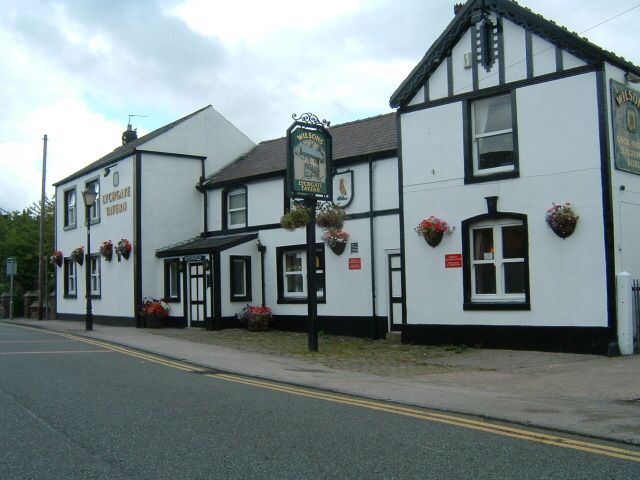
123	249
330	216
432	230
562	219
56	258
336	240
432	237
297	217
106	250
78	255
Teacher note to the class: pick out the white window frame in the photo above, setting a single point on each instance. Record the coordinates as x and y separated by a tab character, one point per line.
70	214
94	273
477	171
174	280
94	211
236	192
70	271
498	261
301	254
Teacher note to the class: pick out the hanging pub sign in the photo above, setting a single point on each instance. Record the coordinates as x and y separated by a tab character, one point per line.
625	111
343	188
309	158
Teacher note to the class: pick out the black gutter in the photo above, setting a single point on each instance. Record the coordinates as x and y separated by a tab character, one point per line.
607	201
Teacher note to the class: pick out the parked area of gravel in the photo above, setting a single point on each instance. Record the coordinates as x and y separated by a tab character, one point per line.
381	357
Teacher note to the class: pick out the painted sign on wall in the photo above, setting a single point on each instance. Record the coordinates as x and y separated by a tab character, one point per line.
119	200
625	112
355	263
343	188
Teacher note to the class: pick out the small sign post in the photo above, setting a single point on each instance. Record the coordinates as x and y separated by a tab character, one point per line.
12	271
309	178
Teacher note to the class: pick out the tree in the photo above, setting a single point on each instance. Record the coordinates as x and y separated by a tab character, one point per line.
19	238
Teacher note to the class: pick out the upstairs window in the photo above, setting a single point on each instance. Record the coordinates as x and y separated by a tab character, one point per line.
94	211
493	138
236	208
70	208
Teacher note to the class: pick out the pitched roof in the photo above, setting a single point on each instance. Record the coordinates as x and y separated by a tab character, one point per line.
350	140
128	148
537	24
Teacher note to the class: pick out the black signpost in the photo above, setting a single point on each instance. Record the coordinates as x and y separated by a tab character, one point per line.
309	178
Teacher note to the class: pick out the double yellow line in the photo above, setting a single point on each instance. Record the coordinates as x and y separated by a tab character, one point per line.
543	438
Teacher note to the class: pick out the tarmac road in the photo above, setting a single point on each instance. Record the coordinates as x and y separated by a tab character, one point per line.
76	408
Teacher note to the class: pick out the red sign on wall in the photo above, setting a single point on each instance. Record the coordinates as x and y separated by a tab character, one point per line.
453	260
355	263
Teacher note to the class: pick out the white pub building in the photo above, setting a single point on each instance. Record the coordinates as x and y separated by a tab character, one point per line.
506	115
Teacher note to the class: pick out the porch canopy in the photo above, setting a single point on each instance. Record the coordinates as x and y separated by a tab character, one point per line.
202	245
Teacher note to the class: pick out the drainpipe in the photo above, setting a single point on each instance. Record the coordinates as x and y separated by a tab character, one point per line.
374	329
262	249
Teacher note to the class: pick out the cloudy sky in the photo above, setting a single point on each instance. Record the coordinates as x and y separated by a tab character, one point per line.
76	69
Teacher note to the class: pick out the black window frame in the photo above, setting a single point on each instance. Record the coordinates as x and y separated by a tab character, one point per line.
470	175
65	272
225	206
320	279
70	224
467	255
167	280
246	260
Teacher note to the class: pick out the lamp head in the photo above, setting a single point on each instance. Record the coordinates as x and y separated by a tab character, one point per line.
89	196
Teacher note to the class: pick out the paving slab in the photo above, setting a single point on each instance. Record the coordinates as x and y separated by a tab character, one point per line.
583	394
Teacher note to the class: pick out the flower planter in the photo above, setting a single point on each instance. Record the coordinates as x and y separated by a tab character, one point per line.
432	237
258	323
154	321
106	253
338	247
56	260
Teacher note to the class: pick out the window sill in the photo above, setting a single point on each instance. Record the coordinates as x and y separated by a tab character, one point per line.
69	227
473	178
70	295
298	300
246	298
496	306
172	299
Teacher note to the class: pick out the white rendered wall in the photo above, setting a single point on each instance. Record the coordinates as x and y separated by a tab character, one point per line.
208	134
462	77
544	56
116	297
250	249
556	165
171	211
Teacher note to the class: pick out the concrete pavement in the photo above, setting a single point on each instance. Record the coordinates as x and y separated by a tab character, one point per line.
584	394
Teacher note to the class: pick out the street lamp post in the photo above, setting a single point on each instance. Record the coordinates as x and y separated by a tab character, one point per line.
89	197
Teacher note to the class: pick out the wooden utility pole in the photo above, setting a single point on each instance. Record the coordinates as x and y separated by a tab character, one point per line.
42	295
